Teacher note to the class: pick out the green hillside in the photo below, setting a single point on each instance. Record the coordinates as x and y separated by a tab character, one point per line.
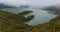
13	23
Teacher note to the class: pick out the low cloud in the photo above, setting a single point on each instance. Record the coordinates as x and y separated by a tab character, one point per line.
32	3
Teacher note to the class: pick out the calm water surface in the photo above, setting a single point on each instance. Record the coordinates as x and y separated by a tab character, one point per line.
41	16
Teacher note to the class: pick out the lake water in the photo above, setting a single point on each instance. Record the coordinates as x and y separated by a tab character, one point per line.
41	16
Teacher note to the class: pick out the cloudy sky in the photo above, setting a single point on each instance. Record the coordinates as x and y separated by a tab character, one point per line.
33	3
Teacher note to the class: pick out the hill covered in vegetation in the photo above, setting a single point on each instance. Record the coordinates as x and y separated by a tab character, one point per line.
13	23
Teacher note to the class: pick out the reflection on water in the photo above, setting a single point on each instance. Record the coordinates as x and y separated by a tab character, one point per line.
41	16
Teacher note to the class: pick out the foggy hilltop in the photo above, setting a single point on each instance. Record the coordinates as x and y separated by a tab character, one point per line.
10	6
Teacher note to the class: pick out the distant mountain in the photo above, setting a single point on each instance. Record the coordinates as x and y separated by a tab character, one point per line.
5	6
52	8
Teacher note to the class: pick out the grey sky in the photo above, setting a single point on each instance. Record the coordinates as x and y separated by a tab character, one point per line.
33	3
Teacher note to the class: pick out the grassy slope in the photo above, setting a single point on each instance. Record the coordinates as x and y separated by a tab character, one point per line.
13	23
